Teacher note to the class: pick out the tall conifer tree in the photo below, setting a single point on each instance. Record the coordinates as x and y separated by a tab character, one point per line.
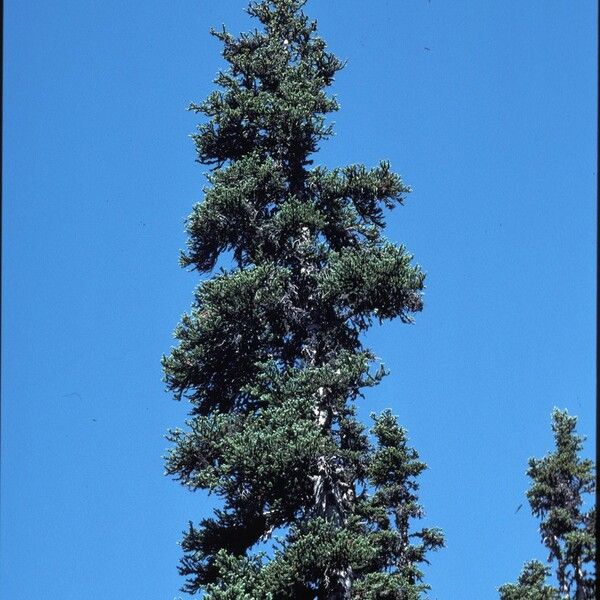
270	355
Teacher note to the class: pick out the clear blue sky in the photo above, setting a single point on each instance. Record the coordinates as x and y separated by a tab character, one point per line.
494	127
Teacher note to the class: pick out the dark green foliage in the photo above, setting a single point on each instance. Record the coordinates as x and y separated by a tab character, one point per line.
560	483
531	585
393	569
270	355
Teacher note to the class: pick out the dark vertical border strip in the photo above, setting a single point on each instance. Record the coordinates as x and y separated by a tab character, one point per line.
597	270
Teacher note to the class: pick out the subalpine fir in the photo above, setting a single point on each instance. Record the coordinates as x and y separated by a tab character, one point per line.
314	505
561	485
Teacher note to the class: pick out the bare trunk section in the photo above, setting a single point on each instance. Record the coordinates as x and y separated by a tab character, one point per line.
580	591
343	591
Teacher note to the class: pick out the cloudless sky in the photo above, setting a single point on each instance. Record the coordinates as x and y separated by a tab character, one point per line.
487	109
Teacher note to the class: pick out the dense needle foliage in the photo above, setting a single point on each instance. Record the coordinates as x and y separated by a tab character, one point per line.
561	483
531	584
270	355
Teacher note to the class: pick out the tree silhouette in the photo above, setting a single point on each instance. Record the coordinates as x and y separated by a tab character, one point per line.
560	483
270	356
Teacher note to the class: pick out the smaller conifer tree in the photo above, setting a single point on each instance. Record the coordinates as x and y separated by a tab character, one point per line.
560	483
531	584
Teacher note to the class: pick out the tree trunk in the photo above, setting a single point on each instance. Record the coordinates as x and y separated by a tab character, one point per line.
580	592
562	580
343	589
328	499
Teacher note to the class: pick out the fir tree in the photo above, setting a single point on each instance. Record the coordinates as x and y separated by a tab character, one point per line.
560	483
531	584
270	355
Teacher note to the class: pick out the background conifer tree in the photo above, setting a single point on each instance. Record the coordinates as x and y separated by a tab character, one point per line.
270	355
560	483
531	584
